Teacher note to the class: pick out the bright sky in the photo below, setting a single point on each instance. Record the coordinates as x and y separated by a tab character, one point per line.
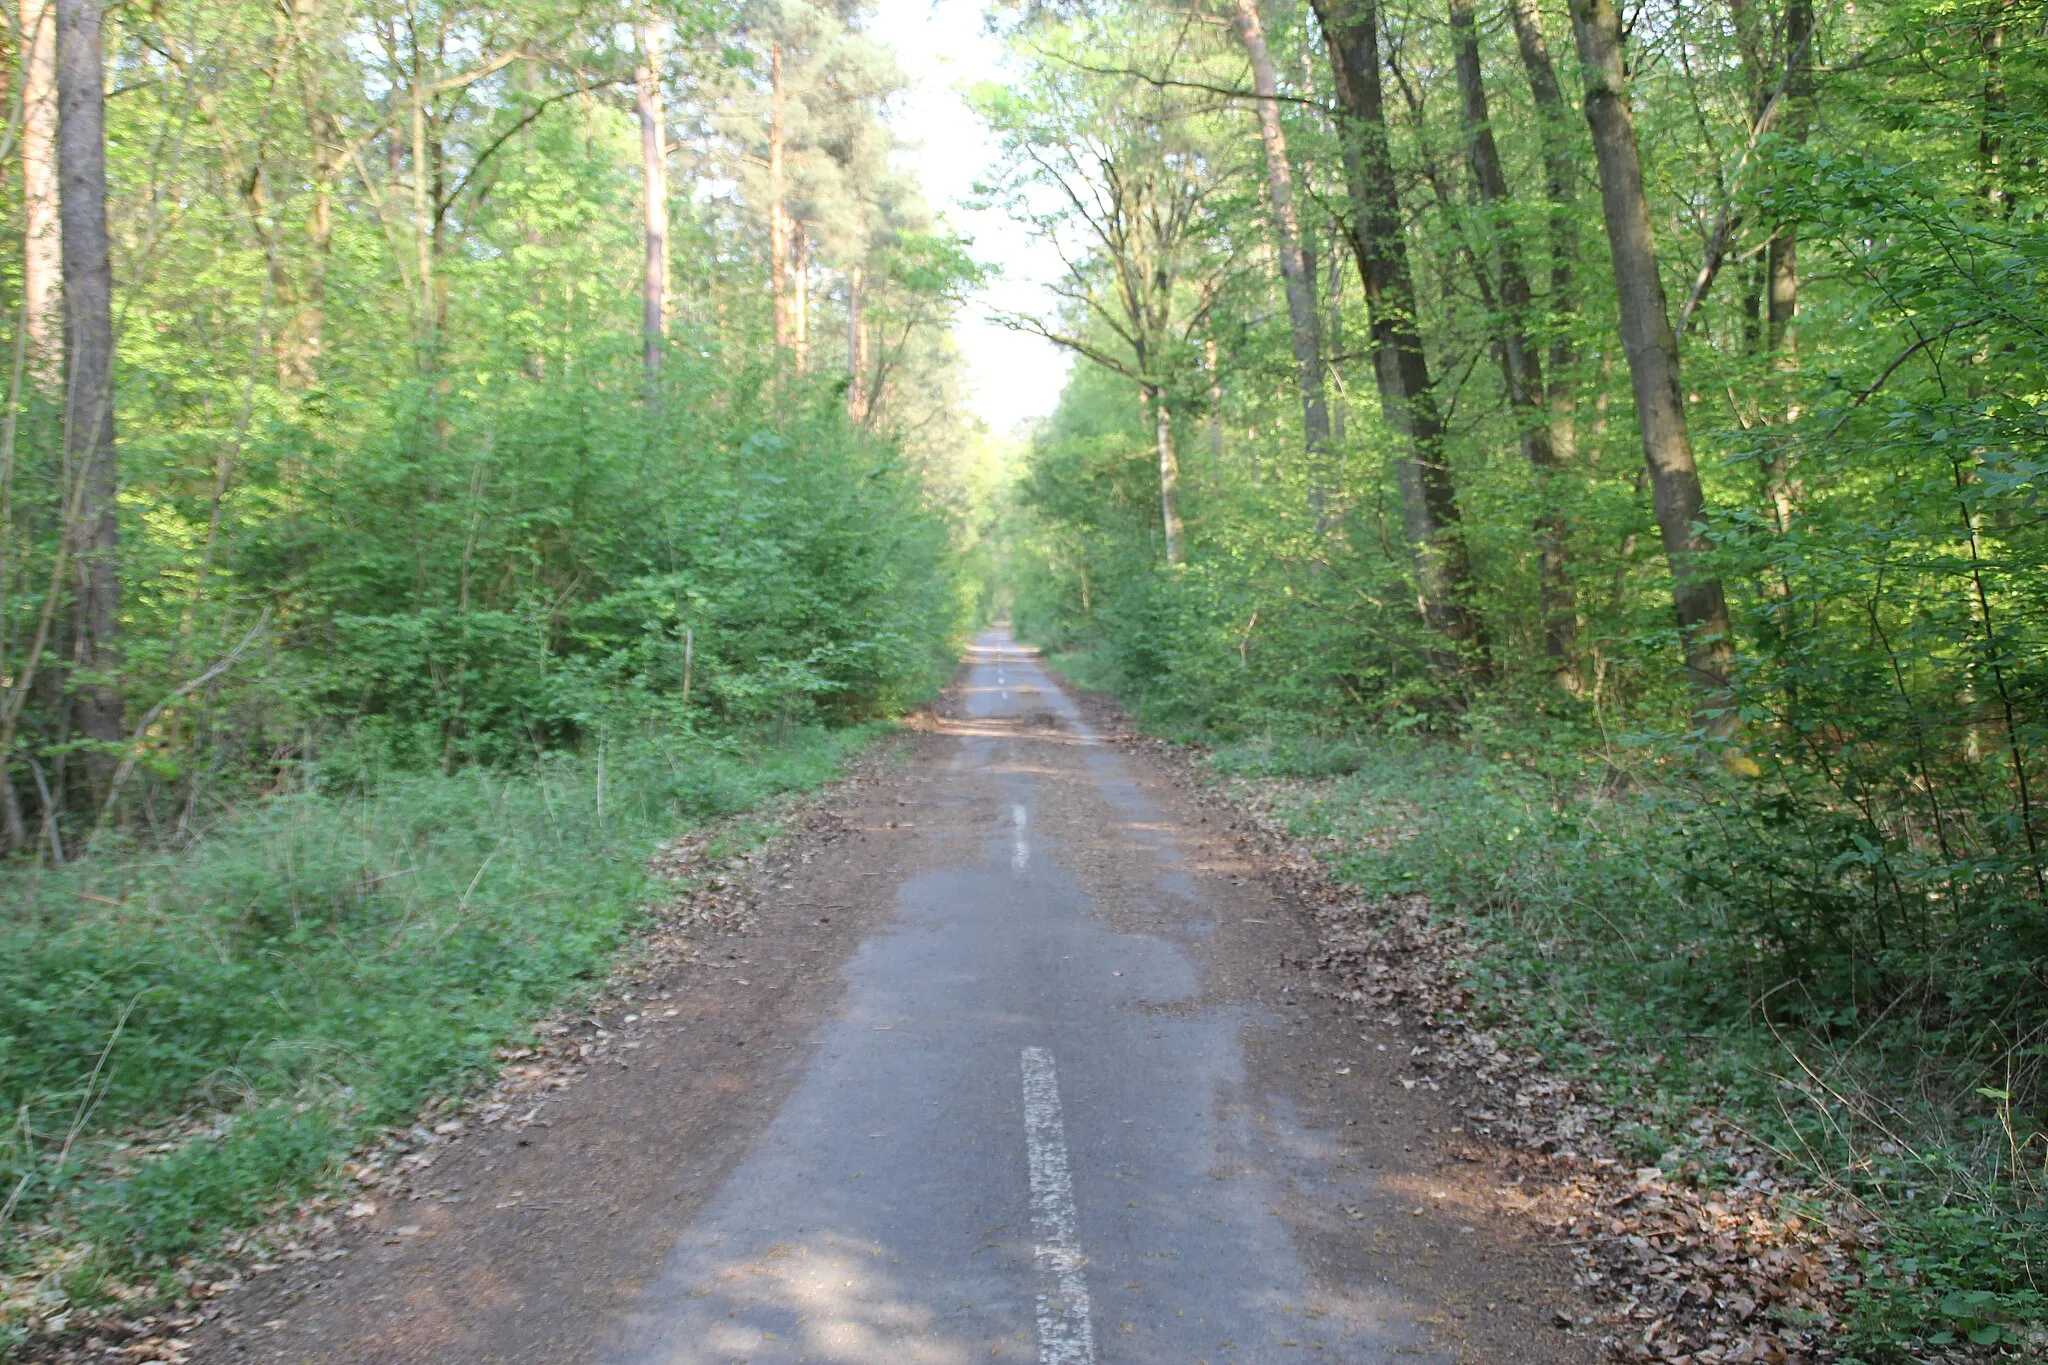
941	46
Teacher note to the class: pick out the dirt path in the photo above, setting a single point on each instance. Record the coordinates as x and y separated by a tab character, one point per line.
1024	1065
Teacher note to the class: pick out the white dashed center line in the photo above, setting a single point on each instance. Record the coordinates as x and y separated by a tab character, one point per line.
1066	1336
1020	851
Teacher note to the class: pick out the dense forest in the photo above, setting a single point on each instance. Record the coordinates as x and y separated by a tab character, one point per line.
447	446
1579	463
1594	452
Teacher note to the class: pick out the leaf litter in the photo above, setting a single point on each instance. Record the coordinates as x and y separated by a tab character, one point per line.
1751	1270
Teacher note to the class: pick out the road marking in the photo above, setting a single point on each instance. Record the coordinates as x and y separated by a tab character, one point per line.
1020	851
1066	1336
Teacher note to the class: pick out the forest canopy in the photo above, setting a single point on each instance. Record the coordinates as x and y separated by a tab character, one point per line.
1641	407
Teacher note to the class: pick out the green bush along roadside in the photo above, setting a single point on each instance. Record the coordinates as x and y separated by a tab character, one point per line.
314	968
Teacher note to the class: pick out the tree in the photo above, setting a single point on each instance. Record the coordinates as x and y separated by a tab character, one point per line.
89	451
1429	502
1304	323
648	105
1652	350
1115	177
42	238
1521	362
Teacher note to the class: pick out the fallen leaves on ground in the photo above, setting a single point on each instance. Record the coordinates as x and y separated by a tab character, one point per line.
1751	1270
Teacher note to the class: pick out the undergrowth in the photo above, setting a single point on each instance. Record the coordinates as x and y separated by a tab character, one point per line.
187	1039
1617	927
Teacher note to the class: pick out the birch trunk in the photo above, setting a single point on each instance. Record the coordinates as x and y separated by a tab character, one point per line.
1652	350
89	391
1303	322
42	264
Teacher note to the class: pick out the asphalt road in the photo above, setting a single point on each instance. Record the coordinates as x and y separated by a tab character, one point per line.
1025	1136
1019	1056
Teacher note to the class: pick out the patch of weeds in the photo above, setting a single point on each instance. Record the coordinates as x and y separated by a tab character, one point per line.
1721	943
188	1040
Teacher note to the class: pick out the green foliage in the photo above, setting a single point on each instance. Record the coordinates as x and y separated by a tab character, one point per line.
1669	941
1868	897
317	967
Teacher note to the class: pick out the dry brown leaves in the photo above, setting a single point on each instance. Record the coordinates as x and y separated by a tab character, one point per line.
1676	1271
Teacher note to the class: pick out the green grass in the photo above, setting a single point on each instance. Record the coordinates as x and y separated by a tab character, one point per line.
314	969
1601	918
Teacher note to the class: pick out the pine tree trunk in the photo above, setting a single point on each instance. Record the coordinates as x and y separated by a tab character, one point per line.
653	197
1302	319
800	296
1521	367
89	390
1429	502
1652	352
42	265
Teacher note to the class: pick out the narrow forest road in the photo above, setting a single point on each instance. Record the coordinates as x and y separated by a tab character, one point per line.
1023	1066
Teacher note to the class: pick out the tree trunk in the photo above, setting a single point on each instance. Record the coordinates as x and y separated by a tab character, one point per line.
1301	291
42	265
89	390
1781	257
422	219
1991	124
1652	352
800	296
856	346
305	340
654	198
1169	472
1429	503
778	211
1521	369
1212	366
1554	127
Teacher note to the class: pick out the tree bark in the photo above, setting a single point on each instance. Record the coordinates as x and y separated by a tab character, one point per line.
856	345
89	390
305	341
1781	257
1212	365
1429	503
1302	319
1169	472
1991	124
1652	351
800	296
1554	135
778	210
647	102
1521	367
42	265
